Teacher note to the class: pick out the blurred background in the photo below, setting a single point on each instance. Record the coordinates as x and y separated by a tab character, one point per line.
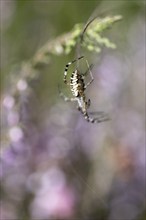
54	164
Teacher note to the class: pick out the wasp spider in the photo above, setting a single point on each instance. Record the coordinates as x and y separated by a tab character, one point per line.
78	87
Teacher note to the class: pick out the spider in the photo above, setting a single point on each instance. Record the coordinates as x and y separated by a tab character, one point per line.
78	87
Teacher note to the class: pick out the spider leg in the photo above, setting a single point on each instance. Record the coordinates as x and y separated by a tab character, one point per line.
67	67
99	120
101	117
98	113
89	70
95	120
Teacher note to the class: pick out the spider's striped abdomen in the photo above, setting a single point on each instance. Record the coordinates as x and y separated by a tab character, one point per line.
77	84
